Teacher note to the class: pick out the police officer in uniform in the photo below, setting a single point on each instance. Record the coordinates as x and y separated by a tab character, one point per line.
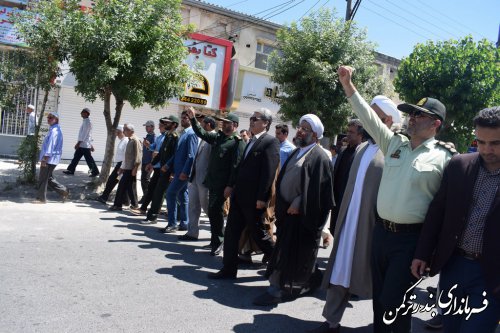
227	150
410	179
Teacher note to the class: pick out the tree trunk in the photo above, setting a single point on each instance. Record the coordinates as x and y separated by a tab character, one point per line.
110	137
36	150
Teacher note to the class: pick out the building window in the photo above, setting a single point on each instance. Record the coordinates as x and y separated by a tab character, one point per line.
262	55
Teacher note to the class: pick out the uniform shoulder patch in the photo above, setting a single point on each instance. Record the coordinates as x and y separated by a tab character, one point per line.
449	146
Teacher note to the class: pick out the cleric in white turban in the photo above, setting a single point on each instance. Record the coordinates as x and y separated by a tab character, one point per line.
387	112
316	124
304	197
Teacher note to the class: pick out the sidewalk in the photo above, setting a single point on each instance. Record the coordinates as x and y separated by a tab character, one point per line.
80	185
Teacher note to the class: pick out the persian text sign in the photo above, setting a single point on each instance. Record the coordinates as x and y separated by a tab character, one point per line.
8	33
211	57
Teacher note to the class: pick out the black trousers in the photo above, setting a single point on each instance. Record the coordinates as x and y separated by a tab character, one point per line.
240	217
145	179
111	182
85	152
216	215
126	185
148	195
159	195
392	254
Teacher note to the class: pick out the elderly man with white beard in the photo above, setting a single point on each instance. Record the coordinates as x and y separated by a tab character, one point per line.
304	197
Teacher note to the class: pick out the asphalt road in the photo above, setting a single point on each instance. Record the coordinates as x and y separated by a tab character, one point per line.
75	267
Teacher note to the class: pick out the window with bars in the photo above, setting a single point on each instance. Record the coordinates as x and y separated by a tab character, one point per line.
14	121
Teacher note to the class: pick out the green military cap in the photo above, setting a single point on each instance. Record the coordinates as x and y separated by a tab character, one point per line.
231	117
170	119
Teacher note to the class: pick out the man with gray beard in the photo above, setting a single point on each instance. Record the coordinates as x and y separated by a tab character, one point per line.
304	197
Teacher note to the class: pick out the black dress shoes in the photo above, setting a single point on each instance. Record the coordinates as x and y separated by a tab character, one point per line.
223	274
67	172
216	250
187	238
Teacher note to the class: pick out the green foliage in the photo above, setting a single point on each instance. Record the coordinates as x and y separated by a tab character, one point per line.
132	48
25	153
462	74
306	68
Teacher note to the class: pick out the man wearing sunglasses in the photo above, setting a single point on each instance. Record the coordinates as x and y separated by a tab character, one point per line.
410	179
251	194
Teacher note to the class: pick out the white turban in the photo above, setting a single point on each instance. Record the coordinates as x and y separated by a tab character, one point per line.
119	128
388	107
316	124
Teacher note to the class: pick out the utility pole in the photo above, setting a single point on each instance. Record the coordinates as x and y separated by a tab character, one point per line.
348	10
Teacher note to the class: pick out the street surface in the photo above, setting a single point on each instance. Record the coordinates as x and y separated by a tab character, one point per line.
75	267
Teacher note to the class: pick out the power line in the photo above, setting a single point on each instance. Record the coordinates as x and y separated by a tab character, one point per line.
252	21
452	19
423	19
389	19
404	18
300	18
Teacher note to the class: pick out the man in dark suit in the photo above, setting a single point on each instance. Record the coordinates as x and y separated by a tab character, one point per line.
460	236
251	194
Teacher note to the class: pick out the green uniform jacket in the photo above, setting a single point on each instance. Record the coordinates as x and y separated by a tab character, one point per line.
224	158
167	149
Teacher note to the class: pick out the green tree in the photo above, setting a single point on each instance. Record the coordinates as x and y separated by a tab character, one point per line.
35	67
462	74
131	50
306	68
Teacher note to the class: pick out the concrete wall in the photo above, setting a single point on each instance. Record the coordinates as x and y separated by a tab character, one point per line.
9	144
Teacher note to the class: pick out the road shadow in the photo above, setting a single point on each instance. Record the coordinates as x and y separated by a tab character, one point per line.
270	322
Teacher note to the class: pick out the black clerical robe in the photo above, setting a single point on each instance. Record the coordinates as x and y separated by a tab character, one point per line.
298	236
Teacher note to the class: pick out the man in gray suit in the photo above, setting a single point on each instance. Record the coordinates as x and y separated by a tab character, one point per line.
349	270
198	193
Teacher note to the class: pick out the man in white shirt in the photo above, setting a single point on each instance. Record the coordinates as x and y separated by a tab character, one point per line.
30	110
84	147
119	157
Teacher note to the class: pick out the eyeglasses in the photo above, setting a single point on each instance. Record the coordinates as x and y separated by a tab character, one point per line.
305	129
421	114
255	118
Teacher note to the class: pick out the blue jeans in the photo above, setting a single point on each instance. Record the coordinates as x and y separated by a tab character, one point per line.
468	277
177	191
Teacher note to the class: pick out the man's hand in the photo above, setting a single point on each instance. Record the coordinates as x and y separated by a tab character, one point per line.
92	148
260	204
227	191
77	145
120	171
292	211
345	76
134	172
43	163
149	167
164	168
191	112
418	268
146	143
183	176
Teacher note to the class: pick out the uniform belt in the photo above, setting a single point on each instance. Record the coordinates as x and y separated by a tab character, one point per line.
400	227
467	255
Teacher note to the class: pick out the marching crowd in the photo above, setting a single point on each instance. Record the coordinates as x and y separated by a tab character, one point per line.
399	205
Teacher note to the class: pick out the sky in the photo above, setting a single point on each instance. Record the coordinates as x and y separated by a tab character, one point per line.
395	26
